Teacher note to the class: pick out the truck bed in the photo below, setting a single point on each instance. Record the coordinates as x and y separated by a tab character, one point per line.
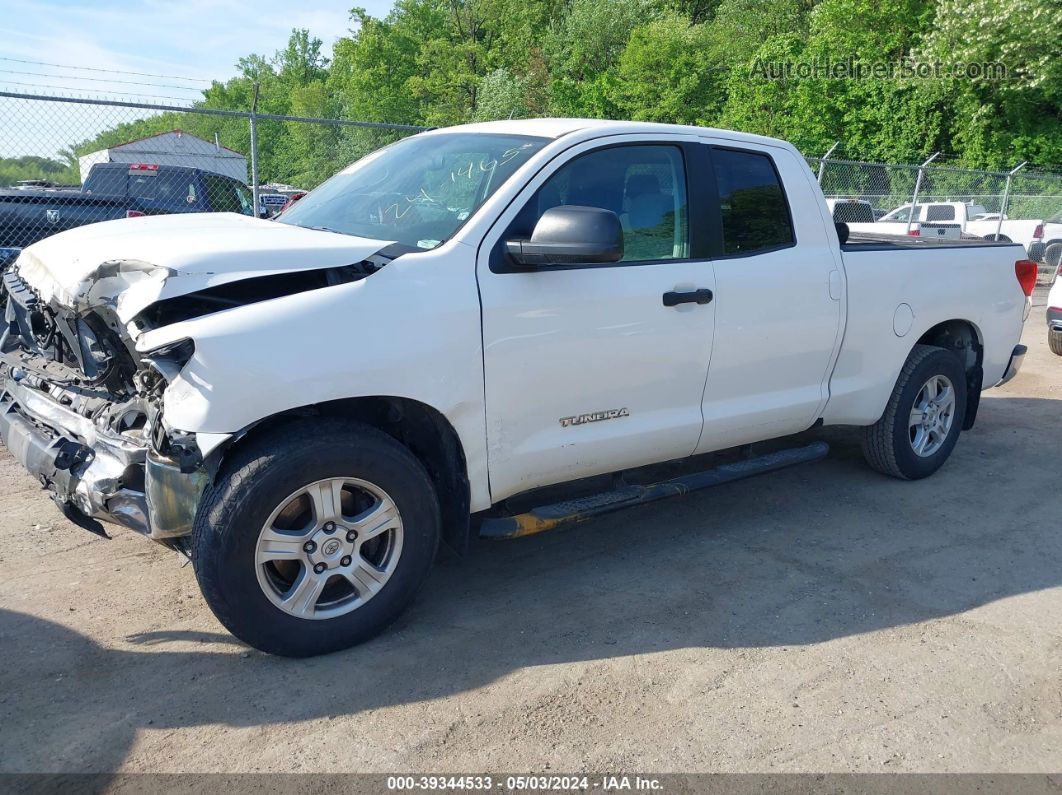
865	242
29	216
893	300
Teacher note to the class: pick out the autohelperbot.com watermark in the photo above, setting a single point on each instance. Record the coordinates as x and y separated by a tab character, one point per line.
852	68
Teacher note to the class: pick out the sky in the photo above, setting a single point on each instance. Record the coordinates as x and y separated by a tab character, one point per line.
179	43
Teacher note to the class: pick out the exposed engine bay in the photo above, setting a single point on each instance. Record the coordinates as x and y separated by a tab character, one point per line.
82	409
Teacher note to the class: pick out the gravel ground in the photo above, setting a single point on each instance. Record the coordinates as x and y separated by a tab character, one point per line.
823	618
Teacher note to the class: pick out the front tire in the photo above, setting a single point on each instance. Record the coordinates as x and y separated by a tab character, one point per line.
923	417
315	537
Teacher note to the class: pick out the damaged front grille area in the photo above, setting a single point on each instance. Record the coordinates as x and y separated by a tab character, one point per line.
96	472
82	349
79	415
82	409
75	359
87	468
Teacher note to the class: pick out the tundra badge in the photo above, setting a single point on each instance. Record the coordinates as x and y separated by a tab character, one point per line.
597	416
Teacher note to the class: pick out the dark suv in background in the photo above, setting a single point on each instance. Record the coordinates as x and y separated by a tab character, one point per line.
118	190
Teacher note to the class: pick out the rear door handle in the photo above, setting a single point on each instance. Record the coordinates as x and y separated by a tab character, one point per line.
702	296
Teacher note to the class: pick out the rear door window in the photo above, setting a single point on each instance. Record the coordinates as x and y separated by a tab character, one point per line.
752	203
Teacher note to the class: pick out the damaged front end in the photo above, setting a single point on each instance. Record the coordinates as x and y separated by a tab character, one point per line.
81	410
82	399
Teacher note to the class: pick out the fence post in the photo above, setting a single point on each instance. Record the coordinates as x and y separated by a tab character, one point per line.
917	187
254	152
1006	195
825	157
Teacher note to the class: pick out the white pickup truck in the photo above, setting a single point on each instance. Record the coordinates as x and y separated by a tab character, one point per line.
858	216
955	219
308	406
1048	248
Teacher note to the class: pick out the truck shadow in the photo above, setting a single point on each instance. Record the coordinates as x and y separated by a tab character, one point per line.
802	556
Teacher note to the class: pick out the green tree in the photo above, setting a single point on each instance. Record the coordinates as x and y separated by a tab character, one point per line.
15	169
876	117
663	74
758	104
441	62
998	122
584	46
502	95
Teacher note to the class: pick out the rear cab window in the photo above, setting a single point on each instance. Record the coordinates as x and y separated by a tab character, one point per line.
174	188
144	185
852	212
106	181
226	195
940	212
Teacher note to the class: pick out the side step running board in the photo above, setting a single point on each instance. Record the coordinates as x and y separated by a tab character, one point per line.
538	520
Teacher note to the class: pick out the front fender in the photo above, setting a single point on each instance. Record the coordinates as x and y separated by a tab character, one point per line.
411	330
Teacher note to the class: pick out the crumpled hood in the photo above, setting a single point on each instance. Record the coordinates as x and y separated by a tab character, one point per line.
131	263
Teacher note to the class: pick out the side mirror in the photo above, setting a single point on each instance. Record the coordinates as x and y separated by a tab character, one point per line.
842	231
571	234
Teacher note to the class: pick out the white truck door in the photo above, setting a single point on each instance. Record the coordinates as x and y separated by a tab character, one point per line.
778	302
586	369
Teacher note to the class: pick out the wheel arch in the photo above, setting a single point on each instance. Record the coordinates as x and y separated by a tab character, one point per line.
964	339
421	428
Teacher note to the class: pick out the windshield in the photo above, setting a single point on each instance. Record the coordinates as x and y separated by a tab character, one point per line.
418	191
901	213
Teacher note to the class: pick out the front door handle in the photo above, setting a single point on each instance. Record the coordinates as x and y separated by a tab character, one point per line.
702	296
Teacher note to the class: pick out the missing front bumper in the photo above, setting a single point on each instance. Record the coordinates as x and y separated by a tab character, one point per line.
96	475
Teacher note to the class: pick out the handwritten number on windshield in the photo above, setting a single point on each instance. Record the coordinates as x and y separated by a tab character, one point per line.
486	165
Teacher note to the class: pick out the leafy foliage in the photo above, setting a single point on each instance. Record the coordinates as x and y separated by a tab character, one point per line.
440	62
15	169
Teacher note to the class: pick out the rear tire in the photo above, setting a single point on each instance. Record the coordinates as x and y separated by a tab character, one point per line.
315	537
895	445
1054	342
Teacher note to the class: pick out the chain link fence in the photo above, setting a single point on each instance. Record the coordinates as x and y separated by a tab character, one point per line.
66	162
69	162
930	194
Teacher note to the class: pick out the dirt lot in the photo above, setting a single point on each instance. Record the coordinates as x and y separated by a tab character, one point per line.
824	618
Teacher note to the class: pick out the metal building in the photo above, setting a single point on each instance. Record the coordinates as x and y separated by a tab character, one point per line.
173	148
